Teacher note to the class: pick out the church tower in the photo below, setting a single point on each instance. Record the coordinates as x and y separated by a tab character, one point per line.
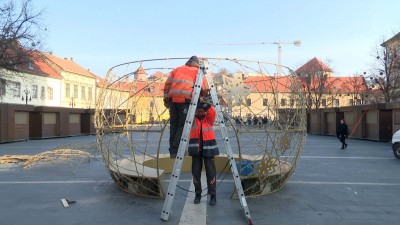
140	74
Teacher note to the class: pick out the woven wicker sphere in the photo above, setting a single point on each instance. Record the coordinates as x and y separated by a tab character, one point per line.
263	109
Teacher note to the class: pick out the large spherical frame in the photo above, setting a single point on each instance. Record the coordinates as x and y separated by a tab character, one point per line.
264	113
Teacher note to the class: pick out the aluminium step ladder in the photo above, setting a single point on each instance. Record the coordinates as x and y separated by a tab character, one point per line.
203	72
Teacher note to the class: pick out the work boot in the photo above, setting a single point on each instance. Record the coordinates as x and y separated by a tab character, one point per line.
213	200
172	153
197	199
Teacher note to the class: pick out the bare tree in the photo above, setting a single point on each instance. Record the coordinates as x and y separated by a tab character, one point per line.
320	90
385	73
21	32
317	83
356	87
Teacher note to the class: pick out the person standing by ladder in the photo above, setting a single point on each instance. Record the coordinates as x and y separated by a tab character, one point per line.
178	90
203	148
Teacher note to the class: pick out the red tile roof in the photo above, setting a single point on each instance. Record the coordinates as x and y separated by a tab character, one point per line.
149	89
335	84
269	83
158	75
139	88
99	81
314	65
37	65
282	84
68	65
140	70
348	84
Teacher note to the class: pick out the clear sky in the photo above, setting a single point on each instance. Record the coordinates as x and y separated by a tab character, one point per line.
100	34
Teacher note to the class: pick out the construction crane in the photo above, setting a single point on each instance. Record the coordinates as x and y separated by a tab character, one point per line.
279	43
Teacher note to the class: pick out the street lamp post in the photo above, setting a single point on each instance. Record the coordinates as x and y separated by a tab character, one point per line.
72	102
26	92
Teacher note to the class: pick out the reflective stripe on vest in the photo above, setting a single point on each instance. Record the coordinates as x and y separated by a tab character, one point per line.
180	92
210	145
209	141
180	83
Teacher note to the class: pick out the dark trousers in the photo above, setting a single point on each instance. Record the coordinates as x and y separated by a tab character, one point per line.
177	112
197	166
342	139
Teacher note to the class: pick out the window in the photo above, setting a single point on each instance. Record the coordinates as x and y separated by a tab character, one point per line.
17	89
67	90
336	102
151	89
248	102
50	93
358	101
283	102
43	93
75	91
323	102
34	92
83	92
265	102
2	87
351	101
291	102
90	93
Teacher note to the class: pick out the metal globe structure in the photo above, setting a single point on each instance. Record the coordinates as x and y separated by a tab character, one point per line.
264	113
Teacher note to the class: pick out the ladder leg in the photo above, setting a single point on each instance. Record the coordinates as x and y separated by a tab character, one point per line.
183	145
228	148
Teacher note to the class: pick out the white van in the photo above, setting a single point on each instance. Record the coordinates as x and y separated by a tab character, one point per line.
396	144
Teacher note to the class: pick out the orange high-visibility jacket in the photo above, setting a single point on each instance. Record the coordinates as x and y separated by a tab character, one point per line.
180	83
210	147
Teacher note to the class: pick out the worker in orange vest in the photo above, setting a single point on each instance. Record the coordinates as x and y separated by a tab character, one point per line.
178	92
203	148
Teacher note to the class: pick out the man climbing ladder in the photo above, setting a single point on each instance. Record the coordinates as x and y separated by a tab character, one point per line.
184	141
178	92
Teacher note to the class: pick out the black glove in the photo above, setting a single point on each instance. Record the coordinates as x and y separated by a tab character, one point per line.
206	106
203	105
167	102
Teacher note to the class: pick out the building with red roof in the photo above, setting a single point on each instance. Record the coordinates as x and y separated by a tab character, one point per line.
314	80
140	74
78	87
32	82
314	66
160	76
